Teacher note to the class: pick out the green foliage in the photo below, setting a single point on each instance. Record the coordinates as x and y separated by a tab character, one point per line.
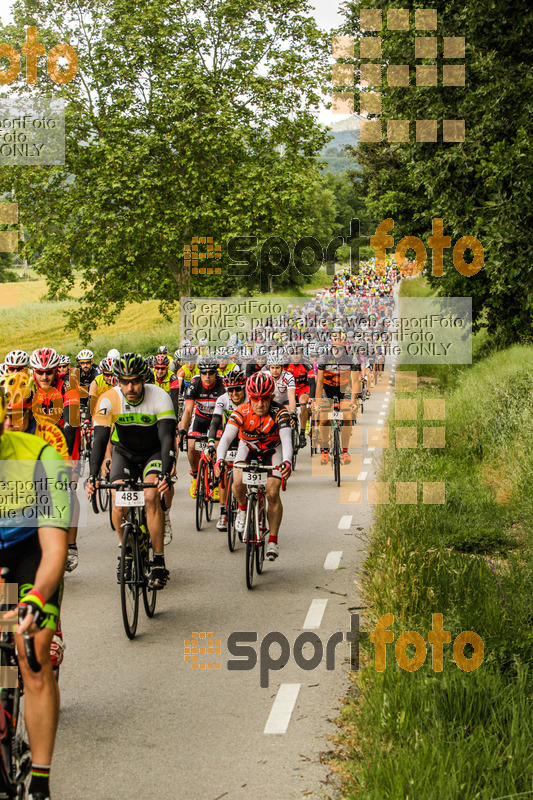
184	120
6	273
481	187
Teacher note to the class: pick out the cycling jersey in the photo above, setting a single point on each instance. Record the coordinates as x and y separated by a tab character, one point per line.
61	403
102	385
34	488
168	382
51	434
139	430
283	384
224	370
260	433
336	369
204	398
224	408
188	374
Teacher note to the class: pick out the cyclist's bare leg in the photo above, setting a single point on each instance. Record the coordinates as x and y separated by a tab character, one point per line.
155	517
346	425
304	413
239	488
274	507
117	515
42	698
194	456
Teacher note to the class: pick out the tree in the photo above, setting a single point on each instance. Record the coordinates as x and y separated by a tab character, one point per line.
188	118
481	187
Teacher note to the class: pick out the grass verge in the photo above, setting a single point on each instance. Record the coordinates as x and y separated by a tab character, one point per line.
452	734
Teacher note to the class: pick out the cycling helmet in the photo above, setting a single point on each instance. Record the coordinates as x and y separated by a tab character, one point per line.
64	361
186	343
150	361
260	386
130	365
3	370
203	342
177	355
222	352
113	353
106	364
206	362
276	357
44	358
260	351
233	339
85	355
17	358
162	350
237	377
161	360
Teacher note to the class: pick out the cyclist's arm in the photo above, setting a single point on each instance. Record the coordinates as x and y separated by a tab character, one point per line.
187	415
291	394
98	451
319	384
286	443
54	549
230	432
166	429
215	426
175	395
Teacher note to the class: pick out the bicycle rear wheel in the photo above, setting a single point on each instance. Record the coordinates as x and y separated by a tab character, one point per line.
103	498
231	513
337	457
250	542
209	502
260	548
15	761
200	495
130	580
149	595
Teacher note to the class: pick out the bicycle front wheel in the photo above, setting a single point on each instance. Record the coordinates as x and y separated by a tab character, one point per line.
209	500
200	495
231	513
260	548
295	446
149	595
103	498
337	456
130	581
250	542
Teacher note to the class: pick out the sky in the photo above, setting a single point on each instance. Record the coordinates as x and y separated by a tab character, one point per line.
327	16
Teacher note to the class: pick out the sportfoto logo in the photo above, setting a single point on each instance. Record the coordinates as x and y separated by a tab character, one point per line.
397	75
193	255
240	643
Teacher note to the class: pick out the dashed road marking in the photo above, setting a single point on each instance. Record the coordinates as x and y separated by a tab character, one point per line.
345	522
315	614
281	711
333	559
362	476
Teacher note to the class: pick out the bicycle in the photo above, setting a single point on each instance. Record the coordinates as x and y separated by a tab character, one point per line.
86	442
255	527
15	754
205	483
137	552
336	416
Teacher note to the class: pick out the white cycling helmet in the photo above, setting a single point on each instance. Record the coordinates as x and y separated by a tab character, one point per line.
17	358
113	353
85	355
276	357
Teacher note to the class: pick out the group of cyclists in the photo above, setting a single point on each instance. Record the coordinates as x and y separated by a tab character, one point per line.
245	398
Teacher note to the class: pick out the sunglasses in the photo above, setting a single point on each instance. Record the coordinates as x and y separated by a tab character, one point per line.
15	369
107	374
208	372
236	389
134	381
44	371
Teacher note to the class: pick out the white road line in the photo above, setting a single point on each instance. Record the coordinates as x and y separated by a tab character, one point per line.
333	559
381	422
281	711
345	522
367	460
382	413
315	614
371	449
387	392
362	476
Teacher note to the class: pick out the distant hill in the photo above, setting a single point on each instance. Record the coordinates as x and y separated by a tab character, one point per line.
344	132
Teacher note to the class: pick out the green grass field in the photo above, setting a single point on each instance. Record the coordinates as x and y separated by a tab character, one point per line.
452	734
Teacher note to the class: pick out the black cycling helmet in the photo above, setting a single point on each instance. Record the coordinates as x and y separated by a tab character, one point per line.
130	365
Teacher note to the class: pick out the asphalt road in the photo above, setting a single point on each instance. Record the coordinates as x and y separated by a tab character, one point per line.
137	721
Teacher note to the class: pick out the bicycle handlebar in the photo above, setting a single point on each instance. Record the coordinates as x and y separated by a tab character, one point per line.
133	486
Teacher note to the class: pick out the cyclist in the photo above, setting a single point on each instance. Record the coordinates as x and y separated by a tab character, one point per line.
16	360
56	398
88	372
143	447
64	366
224	363
166	379
285	389
33	545
300	370
336	374
234	395
200	400
258	361
103	382
264	430
162	350
188	371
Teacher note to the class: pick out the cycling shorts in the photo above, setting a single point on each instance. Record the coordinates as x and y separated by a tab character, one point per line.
270	458
23	561
300	390
126	467
199	426
333	391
